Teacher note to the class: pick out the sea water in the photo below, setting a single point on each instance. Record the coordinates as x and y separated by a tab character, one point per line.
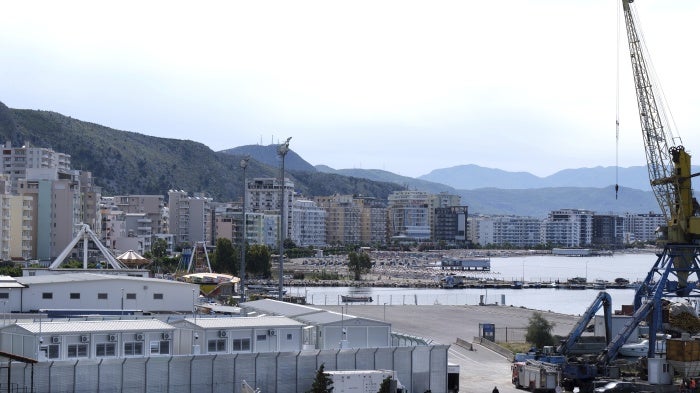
541	268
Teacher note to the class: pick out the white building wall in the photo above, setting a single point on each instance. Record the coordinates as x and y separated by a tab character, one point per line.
137	294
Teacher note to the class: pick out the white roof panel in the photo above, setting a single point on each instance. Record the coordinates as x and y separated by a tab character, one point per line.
242	322
276	307
82	277
95	326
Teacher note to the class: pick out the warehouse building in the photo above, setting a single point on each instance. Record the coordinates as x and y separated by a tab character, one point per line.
86	292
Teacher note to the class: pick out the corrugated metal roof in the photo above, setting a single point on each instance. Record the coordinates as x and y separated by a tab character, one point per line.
325	317
237	322
9	282
276	307
82	277
95	326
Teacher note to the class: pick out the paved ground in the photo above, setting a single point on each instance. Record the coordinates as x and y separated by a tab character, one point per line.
481	369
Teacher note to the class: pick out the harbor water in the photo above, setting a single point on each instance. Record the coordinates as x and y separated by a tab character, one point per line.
540	268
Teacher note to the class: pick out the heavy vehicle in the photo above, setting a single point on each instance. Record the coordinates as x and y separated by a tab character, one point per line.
670	177
535	376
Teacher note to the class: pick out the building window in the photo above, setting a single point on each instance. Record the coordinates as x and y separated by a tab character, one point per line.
289	336
51	351
133	348
261	337
77	350
74	295
241	344
160	347
217	345
157	296
130	296
102	296
4	295
105	350
47	295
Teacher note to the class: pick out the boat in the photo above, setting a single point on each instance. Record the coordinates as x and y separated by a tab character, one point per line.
642	348
356	299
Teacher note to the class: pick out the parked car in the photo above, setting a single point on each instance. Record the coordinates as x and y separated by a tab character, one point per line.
617	387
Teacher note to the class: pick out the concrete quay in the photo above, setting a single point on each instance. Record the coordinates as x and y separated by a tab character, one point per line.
480	369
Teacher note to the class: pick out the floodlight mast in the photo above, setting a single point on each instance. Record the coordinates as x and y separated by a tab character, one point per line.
282	150
244	165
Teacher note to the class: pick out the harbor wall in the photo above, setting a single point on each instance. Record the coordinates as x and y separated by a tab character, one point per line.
419	368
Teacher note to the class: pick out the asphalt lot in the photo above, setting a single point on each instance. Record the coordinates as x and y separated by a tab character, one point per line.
480	369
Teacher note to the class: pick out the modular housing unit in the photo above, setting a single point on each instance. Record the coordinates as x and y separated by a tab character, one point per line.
90	291
224	335
76	340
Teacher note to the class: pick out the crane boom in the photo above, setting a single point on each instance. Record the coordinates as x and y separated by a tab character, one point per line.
669	167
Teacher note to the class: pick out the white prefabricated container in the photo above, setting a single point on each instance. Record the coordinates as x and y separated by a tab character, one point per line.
358	381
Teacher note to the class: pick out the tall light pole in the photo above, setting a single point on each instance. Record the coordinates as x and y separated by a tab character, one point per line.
244	165
282	150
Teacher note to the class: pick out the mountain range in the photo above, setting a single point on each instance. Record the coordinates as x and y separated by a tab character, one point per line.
124	162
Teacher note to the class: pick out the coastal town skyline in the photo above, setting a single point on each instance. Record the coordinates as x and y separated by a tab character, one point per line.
397	86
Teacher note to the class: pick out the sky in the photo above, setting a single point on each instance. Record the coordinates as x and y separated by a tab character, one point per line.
403	86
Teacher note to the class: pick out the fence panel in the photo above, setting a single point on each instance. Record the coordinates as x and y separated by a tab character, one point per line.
86	376
180	374
157	374
224	373
266	371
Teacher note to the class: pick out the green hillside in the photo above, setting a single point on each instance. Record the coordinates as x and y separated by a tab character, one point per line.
130	163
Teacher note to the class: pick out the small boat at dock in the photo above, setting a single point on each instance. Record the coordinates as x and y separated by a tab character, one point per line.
356	299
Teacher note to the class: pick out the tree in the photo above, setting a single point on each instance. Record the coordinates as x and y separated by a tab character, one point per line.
359	263
258	260
159	249
385	387
225	257
539	331
322	383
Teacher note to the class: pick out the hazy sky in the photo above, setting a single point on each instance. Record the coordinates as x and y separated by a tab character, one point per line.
404	86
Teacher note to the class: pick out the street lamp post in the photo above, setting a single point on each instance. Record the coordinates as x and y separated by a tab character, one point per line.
282	150
244	165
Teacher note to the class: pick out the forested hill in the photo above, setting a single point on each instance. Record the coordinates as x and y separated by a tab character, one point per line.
125	162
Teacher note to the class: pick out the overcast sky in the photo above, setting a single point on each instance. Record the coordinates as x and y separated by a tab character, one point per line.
408	87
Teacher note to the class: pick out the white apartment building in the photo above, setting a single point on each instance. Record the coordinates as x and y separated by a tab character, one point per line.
308	224
16	160
517	231
263	196
642	227
190	218
568	228
410	215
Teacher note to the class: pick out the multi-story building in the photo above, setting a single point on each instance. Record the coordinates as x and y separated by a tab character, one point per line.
642	227
410	215
91	196
190	218
342	219
450	224
308	224
373	220
608	230
5	218
152	206
568	228
16	160
515	231
263	196
22	227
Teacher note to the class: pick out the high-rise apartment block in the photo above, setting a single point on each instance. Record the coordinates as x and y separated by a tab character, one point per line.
16	160
190	218
308	224
568	228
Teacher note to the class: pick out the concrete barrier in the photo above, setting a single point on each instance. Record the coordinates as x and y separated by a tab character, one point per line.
464	344
506	353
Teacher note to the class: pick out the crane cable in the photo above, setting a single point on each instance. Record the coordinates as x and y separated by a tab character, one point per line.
617	109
